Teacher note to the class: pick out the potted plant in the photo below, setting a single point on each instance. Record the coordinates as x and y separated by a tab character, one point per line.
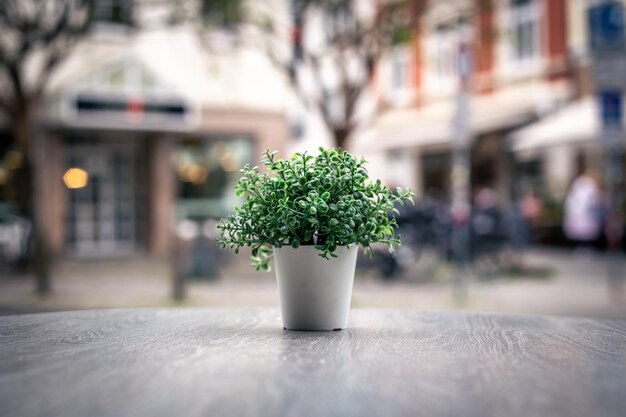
310	213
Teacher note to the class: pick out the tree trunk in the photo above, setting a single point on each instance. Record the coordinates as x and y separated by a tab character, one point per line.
341	136
28	192
24	177
179	259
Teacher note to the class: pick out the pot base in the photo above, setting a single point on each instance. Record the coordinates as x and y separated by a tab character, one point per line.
309	330
315	292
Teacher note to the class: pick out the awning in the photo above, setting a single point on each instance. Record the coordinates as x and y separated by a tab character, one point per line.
575	123
406	128
433	124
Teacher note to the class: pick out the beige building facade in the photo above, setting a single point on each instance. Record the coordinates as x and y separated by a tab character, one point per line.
161	127
530	63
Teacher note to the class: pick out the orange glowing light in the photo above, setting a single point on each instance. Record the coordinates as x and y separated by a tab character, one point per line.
75	178
196	174
229	162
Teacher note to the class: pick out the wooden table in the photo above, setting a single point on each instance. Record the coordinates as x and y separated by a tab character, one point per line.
203	362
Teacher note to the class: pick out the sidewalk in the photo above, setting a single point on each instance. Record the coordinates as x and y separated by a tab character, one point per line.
577	286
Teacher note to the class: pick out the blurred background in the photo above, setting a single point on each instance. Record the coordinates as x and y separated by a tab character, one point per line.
123	125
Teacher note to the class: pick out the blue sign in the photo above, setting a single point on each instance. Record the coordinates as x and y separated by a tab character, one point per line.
611	116
611	109
606	24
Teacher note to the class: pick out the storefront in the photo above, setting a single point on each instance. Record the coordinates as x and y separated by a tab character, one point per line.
124	166
421	140
553	151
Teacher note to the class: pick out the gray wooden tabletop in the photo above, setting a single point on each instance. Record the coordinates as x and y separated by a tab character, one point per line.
192	362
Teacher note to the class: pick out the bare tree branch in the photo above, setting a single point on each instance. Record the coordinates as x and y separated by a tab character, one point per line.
49	27
352	39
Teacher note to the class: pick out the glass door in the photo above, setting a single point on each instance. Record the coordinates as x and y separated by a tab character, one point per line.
101	217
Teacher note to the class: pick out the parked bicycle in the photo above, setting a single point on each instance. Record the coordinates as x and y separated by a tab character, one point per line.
426	231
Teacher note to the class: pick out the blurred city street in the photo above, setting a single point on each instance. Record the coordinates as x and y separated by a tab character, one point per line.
124	128
165	154
565	285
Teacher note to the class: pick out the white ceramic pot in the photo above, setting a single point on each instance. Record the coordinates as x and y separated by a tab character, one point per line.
314	292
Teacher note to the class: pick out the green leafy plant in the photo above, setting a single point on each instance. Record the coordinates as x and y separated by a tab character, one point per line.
325	200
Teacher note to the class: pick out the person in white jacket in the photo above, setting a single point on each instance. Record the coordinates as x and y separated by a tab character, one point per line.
583	211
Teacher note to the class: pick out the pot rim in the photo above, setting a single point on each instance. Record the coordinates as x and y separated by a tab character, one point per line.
312	247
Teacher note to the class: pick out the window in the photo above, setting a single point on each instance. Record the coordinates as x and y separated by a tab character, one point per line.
10	162
338	20
449	51
113	11
529	176
206	170
401	68
221	13
524	30
103	215
446	51
444	46
400	75
436	169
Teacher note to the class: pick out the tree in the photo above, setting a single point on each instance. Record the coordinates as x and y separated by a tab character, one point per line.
330	75
35	37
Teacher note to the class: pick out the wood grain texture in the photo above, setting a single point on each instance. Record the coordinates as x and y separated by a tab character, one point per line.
205	362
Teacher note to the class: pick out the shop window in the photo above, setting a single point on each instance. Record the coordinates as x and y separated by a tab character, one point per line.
529	176
11	160
436	173
113	11
14	229
103	217
206	171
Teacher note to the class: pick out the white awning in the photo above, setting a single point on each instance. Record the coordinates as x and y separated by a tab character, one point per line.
575	123
404	128
433	125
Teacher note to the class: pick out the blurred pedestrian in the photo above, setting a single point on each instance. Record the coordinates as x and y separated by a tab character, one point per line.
583	211
520	223
531	208
486	230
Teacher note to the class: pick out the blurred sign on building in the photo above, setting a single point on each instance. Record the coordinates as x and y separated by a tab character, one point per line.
606	24
612	115
608	49
607	44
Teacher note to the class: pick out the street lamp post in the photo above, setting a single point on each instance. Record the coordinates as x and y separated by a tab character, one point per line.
460	174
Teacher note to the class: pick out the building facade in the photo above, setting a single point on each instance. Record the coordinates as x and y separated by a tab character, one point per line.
528	63
157	124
